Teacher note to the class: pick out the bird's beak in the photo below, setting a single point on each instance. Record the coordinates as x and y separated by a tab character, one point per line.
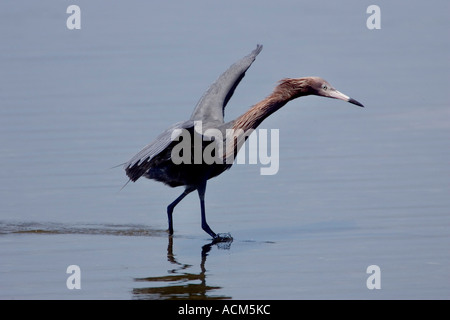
339	95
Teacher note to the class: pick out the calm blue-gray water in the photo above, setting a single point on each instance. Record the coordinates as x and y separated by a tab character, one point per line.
356	187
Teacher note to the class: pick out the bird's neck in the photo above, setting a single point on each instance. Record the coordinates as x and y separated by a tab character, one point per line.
243	126
287	90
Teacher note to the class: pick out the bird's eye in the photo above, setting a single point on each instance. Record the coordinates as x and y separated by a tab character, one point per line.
324	87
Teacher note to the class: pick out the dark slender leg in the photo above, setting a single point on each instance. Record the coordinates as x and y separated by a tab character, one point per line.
171	206
201	194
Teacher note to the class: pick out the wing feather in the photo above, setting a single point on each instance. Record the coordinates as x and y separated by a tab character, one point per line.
211	106
141	162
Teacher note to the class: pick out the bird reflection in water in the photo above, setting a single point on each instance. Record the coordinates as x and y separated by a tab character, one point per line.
181	283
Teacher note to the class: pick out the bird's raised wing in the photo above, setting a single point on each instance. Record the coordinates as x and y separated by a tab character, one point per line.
211	106
140	163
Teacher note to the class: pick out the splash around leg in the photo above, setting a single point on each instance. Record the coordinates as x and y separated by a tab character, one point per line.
222	237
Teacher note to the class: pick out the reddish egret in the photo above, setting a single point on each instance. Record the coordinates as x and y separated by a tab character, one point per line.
155	161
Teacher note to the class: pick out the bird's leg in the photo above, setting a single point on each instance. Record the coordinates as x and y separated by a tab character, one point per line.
201	194
171	206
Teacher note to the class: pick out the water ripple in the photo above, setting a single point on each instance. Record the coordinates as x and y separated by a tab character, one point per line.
134	230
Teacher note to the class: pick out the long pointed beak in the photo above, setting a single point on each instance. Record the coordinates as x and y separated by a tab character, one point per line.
339	95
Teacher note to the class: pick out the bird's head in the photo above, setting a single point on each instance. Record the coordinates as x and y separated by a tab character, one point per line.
320	87
294	88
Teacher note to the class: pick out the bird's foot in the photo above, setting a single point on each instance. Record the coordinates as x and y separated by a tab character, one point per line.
222	237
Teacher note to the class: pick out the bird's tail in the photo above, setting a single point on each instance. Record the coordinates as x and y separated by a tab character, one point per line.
125	184
120	165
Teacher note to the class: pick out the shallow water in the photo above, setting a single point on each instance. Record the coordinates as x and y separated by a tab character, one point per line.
356	187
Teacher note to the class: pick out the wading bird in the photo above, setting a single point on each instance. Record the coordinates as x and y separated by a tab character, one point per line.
155	161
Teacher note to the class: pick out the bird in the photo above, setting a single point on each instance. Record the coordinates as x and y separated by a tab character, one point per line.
156	160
